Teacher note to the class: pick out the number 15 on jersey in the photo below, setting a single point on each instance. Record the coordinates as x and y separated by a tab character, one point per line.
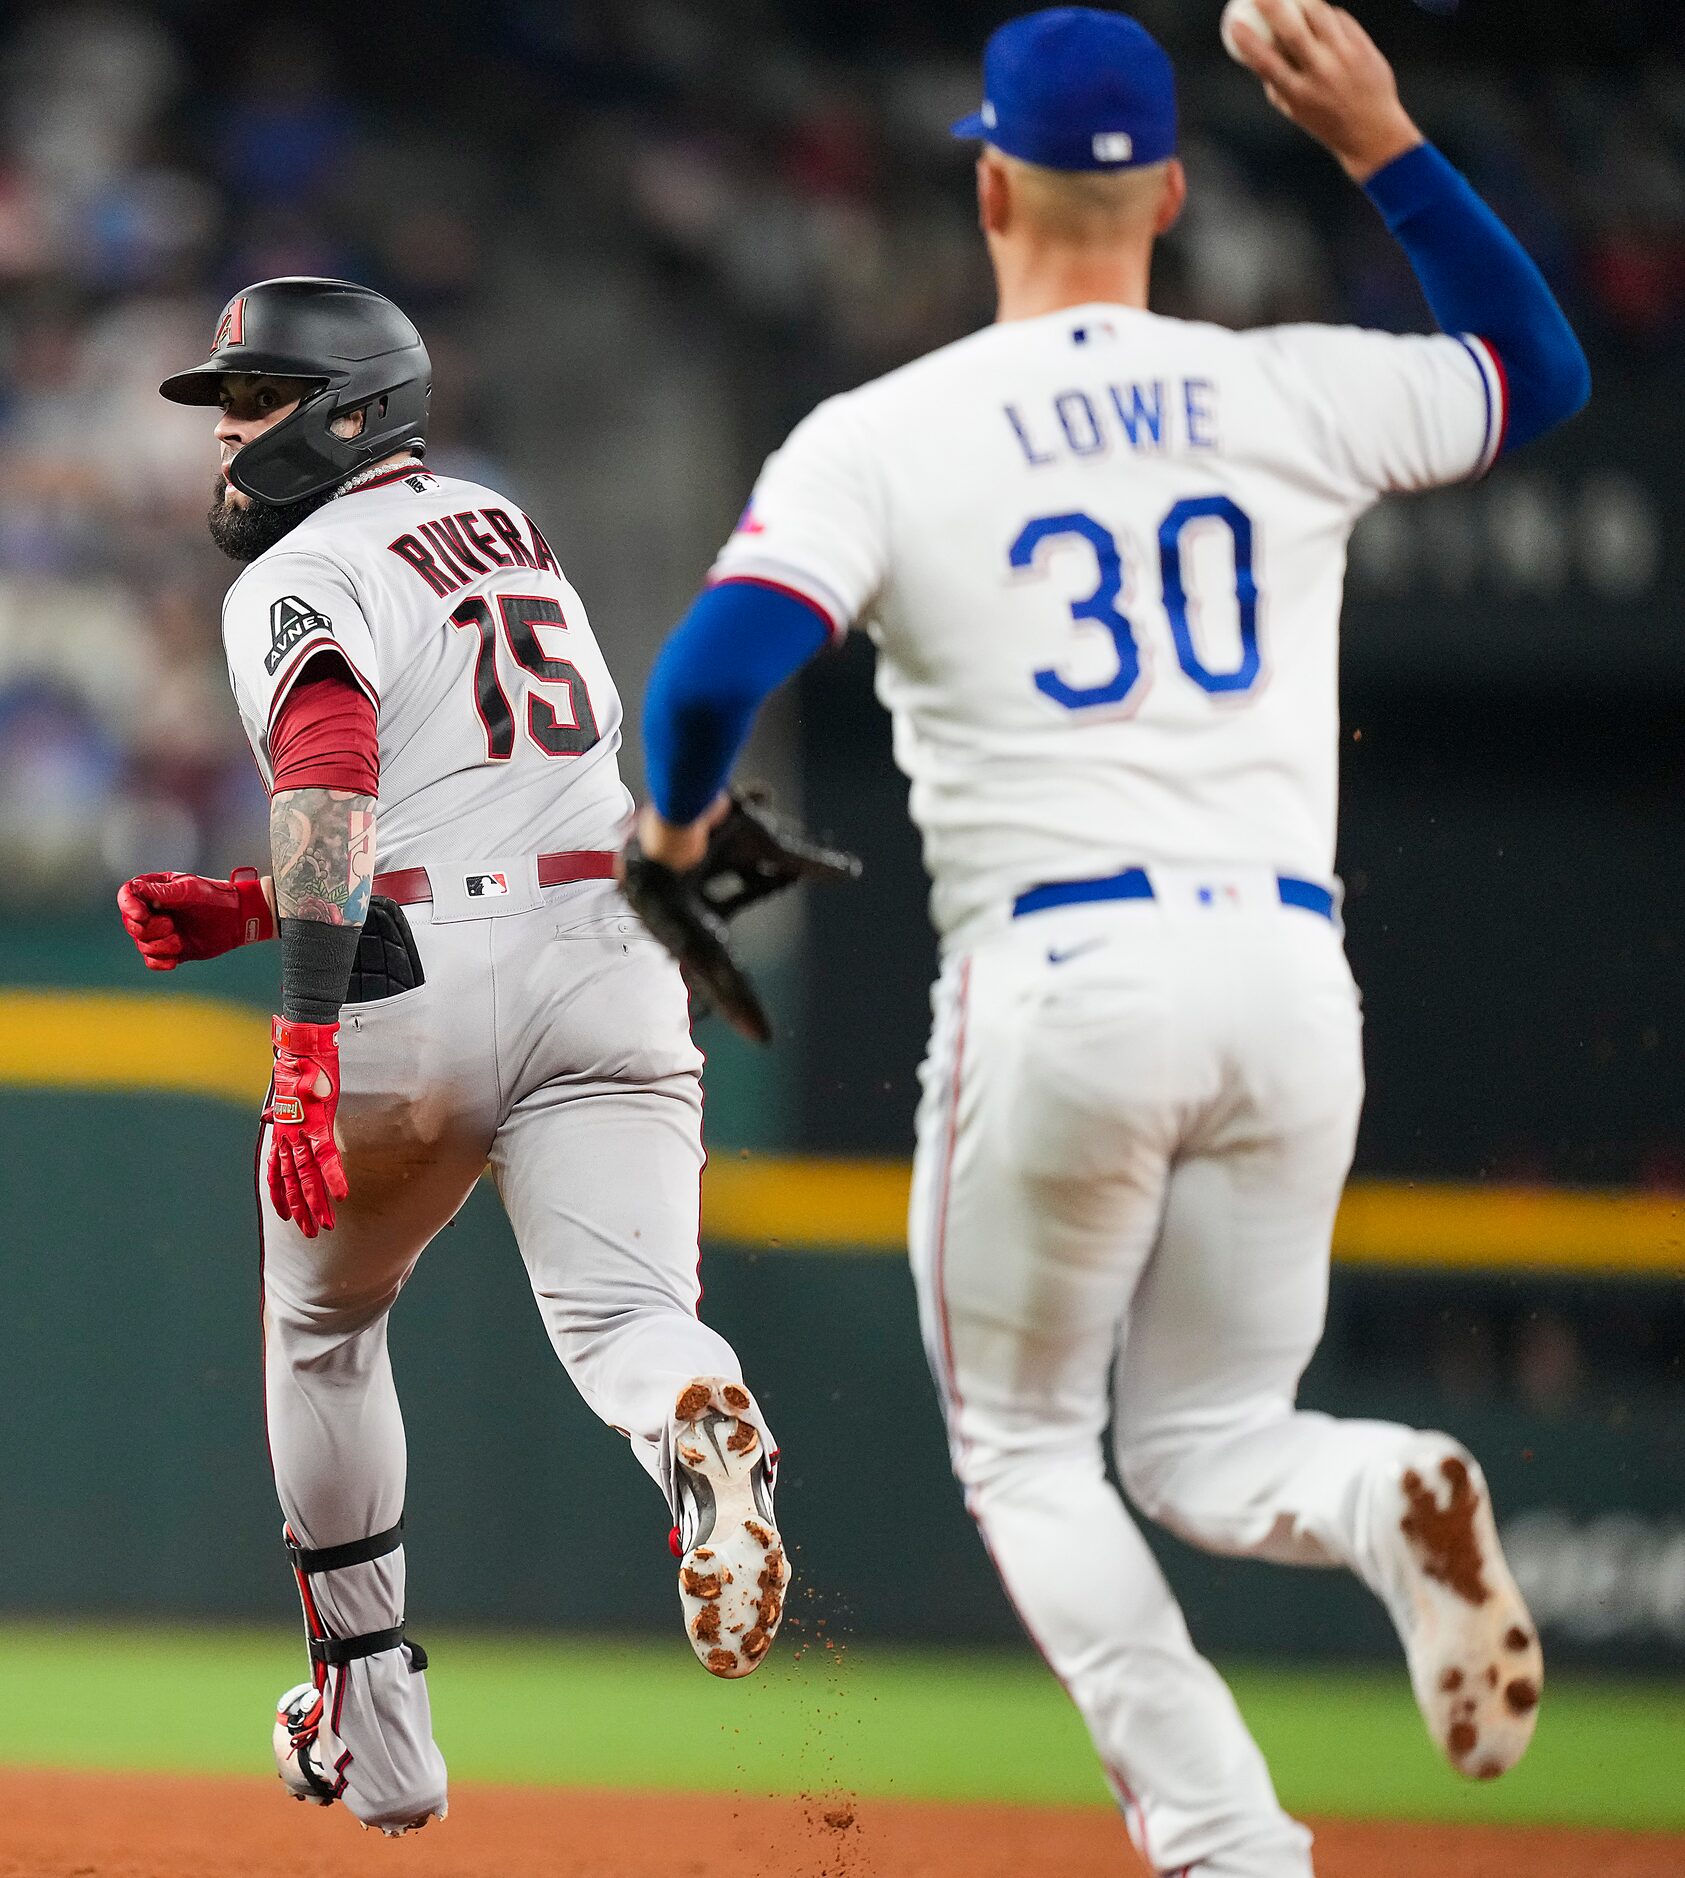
522	615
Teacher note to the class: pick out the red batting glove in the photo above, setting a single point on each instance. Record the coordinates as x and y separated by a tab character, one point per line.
306	1174
176	917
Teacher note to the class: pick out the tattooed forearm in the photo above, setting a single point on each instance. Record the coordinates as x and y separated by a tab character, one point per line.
323	843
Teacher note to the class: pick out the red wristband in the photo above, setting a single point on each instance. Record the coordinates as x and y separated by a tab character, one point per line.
257	922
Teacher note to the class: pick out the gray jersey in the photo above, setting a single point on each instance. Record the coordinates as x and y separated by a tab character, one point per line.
499	722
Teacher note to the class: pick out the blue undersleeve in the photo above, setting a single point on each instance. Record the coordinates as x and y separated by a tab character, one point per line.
736	645
1479	279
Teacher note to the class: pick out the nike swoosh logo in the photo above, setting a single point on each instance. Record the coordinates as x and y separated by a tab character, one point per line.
1073	952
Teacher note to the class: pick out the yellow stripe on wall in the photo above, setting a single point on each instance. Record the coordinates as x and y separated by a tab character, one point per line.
768	1201
1385	1222
762	1199
115	1041
108	1040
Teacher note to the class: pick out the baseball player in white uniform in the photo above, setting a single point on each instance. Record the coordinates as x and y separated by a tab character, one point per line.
467	986
1100	554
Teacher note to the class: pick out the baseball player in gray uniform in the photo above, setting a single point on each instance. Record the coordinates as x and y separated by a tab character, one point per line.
404	646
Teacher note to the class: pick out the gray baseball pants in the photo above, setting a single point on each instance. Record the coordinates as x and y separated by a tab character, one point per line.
551	1038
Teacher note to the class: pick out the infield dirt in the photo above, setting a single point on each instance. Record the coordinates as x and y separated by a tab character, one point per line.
58	1825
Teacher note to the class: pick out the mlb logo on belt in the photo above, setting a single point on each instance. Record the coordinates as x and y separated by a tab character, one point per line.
484	886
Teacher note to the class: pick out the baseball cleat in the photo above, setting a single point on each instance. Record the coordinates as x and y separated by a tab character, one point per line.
309	1756
1473	1650
314	1763
732	1569
410	1825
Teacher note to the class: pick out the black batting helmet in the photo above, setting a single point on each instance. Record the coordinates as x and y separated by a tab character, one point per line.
357	349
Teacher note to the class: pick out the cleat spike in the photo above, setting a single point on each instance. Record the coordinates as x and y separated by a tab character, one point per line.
723	1495
1443	1577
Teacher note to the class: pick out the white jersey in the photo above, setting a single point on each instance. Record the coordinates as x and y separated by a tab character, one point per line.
498	721
1101	554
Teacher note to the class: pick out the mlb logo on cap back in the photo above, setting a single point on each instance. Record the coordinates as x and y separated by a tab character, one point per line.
1076	89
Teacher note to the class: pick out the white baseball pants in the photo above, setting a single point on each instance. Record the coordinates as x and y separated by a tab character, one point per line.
1137	1119
552	1039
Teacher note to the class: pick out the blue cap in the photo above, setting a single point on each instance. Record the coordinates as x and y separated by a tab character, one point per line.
1076	89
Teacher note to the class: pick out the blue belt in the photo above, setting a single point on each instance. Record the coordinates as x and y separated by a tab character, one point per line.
1133	884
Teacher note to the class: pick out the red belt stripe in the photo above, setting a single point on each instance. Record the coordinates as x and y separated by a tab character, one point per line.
410	886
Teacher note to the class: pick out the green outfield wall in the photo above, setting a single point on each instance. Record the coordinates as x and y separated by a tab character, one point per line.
135	1478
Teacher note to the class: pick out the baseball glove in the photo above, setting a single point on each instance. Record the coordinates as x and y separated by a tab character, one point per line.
750	856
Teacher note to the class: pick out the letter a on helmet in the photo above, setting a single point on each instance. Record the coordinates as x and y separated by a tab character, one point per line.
353	349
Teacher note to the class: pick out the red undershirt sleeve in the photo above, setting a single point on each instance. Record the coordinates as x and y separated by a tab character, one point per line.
325	735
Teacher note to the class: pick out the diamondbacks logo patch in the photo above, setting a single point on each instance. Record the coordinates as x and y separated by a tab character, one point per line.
291	622
231	328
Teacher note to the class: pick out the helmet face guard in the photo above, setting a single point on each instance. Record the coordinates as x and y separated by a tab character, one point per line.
356	351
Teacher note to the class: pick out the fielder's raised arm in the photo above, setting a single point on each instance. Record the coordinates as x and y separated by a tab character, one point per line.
813	548
1323	71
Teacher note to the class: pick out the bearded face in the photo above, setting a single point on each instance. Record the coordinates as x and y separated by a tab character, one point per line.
245	531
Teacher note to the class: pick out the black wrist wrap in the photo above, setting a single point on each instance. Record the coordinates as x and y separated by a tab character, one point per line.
316	961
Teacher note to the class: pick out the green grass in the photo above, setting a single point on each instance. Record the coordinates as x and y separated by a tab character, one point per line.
919	1724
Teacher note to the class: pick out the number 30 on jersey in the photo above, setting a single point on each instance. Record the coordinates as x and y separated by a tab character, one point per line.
1100	608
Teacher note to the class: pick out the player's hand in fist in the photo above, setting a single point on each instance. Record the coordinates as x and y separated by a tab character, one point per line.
1325	73
306	1174
176	917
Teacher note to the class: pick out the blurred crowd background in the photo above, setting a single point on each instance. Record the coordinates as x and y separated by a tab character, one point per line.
641	237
